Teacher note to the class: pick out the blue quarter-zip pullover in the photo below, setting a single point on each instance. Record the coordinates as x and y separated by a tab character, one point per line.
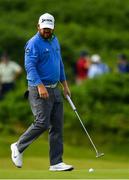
43	62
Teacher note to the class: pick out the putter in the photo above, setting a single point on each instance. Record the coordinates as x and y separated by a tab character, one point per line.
98	154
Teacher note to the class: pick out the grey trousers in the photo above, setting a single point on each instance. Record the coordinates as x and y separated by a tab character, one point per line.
48	114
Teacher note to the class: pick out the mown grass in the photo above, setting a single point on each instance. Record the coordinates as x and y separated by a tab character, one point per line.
36	162
76	174
37	168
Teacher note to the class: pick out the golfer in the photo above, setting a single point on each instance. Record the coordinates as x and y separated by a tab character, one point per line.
45	69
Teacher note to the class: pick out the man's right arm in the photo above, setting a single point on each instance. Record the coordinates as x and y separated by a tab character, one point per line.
31	60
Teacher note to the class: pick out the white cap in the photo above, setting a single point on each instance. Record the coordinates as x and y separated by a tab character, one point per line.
46	21
95	58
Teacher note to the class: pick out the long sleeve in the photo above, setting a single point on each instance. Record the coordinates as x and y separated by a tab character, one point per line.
31	60
62	71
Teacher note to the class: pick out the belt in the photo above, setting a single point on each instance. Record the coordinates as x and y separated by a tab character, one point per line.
51	85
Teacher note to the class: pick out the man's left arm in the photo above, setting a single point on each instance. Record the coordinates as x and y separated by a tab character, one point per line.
65	88
63	80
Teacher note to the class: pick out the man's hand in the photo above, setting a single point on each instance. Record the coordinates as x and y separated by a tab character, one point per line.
43	93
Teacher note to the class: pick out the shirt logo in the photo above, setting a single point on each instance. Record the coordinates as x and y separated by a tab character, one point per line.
27	50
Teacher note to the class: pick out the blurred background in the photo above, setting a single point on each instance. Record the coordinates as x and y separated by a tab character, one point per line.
93	34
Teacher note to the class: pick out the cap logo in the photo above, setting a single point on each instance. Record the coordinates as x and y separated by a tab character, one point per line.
49	20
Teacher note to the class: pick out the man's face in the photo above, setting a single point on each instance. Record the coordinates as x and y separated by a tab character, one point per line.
46	33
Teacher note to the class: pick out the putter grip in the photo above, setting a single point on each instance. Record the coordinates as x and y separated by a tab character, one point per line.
70	102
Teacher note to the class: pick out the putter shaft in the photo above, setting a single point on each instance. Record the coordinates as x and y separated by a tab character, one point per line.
74	109
87	133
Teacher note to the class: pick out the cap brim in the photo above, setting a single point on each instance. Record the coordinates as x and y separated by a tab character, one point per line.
46	26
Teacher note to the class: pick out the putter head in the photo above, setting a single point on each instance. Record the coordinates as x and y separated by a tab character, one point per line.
99	155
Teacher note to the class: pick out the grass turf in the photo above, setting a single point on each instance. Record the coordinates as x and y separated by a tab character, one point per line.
36	163
76	174
37	168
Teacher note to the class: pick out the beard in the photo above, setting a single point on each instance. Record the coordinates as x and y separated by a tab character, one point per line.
47	35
